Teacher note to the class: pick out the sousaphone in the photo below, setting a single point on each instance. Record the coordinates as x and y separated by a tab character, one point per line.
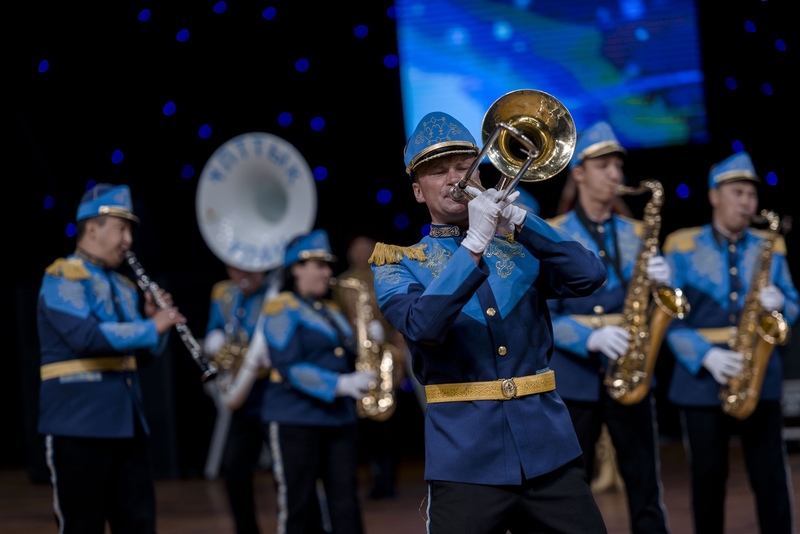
256	193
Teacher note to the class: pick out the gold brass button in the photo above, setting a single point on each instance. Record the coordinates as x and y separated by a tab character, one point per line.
731	248
501	350
602	253
600	229
733	271
599	310
338	351
734	296
491	312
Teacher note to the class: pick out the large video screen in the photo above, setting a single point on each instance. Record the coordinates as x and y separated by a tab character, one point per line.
633	63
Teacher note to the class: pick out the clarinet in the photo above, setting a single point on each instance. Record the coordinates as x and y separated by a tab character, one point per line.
146	284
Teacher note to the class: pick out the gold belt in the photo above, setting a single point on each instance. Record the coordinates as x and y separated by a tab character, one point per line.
86	365
717	335
501	389
596	321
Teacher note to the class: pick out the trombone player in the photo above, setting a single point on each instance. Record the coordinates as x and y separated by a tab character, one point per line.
500	451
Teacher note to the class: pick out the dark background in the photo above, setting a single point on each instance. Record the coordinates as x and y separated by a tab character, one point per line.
110	75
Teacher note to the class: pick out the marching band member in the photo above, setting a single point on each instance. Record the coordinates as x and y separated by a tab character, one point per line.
586	341
309	404
715	265
91	333
500	451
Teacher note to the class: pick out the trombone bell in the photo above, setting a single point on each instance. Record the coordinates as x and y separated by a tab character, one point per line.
528	135
542	119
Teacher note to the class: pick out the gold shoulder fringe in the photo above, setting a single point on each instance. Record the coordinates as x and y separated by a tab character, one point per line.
779	247
219	289
71	269
285	300
383	253
556	221
682	240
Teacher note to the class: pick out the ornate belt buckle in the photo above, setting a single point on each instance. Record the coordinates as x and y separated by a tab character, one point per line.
509	388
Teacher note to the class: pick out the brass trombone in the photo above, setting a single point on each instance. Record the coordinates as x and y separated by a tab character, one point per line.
528	135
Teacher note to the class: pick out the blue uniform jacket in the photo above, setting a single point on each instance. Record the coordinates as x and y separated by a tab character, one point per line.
229	309
308	355
580	372
465	322
88	312
701	267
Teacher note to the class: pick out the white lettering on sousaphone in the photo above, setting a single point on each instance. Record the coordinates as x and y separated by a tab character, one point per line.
254	195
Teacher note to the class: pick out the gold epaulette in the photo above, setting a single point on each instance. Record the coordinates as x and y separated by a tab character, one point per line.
71	269
383	253
638	226
557	221
779	247
682	240
285	300
218	290
128	281
333	305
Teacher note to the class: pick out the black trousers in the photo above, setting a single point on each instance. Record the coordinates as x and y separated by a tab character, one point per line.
559	502
98	481
243	448
708	433
634	433
302	455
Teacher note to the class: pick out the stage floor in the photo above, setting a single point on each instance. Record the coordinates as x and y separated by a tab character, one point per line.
198	506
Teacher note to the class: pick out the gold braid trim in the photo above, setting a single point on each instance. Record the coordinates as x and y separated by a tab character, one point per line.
285	300
71	269
383	253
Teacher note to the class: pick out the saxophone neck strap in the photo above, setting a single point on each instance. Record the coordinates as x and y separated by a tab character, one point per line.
591	227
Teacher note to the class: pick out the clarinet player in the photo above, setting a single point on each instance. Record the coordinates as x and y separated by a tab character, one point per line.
91	333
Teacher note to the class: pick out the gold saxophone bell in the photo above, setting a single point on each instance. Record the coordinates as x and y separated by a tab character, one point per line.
528	135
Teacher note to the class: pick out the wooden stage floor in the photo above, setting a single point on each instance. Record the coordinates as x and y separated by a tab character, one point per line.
198	506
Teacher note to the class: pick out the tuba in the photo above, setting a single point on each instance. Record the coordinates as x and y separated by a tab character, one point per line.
757	333
528	135
255	194
379	403
647	310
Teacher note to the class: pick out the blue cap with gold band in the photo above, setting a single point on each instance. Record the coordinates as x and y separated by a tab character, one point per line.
596	140
107	199
732	169
311	246
437	134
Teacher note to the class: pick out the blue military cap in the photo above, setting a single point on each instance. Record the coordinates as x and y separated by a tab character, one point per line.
107	199
311	246
596	140
732	169
437	134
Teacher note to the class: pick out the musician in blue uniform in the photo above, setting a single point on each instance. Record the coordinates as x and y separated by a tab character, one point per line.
90	406
717	265
500	451
588	332
233	312
309	404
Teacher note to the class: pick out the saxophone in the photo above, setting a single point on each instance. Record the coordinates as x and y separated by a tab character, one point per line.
379	403
756	334
647	310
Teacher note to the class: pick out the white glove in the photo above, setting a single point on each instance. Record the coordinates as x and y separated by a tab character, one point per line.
213	342
723	364
771	298
376	332
613	341
356	384
512	216
658	270
484	212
